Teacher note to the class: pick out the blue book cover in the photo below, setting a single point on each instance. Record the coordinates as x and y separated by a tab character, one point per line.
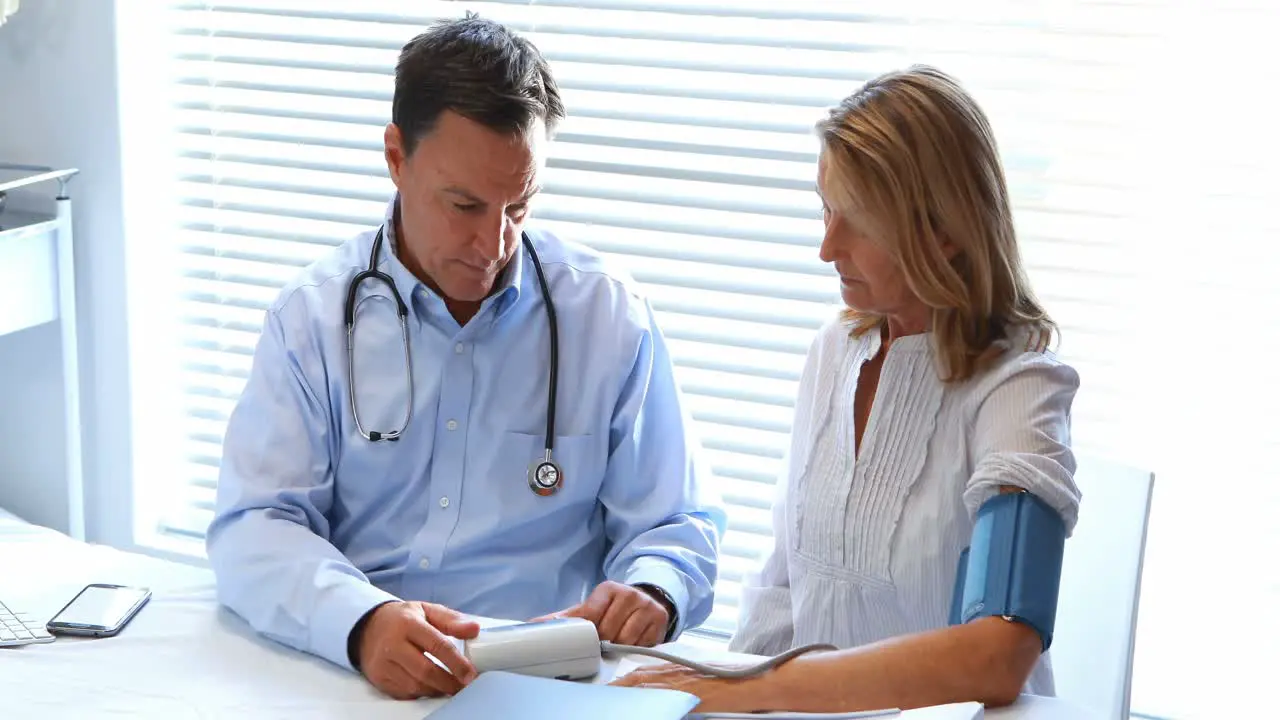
497	694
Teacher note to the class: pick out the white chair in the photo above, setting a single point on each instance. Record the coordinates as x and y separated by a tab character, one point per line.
1092	652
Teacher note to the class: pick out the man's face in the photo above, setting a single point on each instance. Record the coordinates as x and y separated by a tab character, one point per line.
464	198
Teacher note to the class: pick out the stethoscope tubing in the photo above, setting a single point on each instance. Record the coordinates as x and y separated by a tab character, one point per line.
402	312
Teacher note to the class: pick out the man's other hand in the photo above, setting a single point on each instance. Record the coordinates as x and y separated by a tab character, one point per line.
622	614
394	640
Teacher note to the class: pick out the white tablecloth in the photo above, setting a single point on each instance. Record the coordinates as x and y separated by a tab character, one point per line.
185	657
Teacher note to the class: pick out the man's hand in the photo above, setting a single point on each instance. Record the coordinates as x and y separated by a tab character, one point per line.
394	640
622	614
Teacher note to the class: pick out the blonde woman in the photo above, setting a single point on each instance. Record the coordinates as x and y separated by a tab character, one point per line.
934	392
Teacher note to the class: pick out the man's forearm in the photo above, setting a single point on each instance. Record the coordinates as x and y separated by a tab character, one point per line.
290	584
680	559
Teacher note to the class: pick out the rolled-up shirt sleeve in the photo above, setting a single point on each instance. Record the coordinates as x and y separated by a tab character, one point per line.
1022	435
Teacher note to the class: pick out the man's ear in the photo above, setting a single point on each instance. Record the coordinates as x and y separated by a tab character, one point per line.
393	151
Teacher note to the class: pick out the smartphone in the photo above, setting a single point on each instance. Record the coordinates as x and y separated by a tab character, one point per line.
99	611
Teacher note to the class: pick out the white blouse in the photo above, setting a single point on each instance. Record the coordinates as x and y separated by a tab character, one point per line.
867	550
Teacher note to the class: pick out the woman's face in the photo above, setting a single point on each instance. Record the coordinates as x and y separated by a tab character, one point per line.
870	278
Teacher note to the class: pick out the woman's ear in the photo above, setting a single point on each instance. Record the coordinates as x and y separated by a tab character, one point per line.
931	228
949	249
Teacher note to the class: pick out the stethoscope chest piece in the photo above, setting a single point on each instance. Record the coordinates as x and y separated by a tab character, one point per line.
545	477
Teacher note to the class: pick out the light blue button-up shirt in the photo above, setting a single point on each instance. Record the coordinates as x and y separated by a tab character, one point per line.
316	525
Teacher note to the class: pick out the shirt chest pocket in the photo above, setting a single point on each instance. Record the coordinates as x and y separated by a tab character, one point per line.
582	460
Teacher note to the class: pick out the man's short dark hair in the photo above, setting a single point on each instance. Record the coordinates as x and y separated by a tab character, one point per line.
479	69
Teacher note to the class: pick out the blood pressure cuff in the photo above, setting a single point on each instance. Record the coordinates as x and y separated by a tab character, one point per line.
1013	564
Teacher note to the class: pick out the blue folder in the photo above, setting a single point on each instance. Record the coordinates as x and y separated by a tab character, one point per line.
497	694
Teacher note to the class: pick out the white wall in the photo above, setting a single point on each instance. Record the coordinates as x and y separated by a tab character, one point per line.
58	106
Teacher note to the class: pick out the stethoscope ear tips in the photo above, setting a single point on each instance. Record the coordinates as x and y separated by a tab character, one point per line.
545	477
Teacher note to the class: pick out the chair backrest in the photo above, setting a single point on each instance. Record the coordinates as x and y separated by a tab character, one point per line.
1092	653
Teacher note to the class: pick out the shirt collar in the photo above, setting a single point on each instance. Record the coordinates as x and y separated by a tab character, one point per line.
510	282
507	286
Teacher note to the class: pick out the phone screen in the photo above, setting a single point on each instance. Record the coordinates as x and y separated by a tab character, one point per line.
100	607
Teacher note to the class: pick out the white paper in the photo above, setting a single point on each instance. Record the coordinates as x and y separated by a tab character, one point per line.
952	711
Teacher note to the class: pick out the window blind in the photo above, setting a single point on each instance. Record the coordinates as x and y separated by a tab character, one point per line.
688	154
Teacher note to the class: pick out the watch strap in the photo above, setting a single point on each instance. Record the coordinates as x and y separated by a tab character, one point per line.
664	597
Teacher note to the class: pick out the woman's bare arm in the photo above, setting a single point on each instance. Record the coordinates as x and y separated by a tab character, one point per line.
988	660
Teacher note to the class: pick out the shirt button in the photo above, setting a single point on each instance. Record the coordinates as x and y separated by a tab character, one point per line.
459	349
452	424
444	502
424	563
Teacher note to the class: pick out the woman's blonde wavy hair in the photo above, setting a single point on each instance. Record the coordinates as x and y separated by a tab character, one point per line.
912	155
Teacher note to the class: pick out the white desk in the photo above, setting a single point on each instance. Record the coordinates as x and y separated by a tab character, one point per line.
184	657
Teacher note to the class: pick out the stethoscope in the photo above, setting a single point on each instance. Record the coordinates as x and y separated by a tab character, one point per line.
545	476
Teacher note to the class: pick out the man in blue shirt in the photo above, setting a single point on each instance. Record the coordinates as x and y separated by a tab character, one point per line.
366	552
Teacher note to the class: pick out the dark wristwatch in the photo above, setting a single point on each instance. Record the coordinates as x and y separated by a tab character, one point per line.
662	596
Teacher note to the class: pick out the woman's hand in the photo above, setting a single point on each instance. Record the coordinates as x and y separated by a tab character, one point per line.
716	694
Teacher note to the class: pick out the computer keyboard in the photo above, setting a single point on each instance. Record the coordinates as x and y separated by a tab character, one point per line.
18	629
